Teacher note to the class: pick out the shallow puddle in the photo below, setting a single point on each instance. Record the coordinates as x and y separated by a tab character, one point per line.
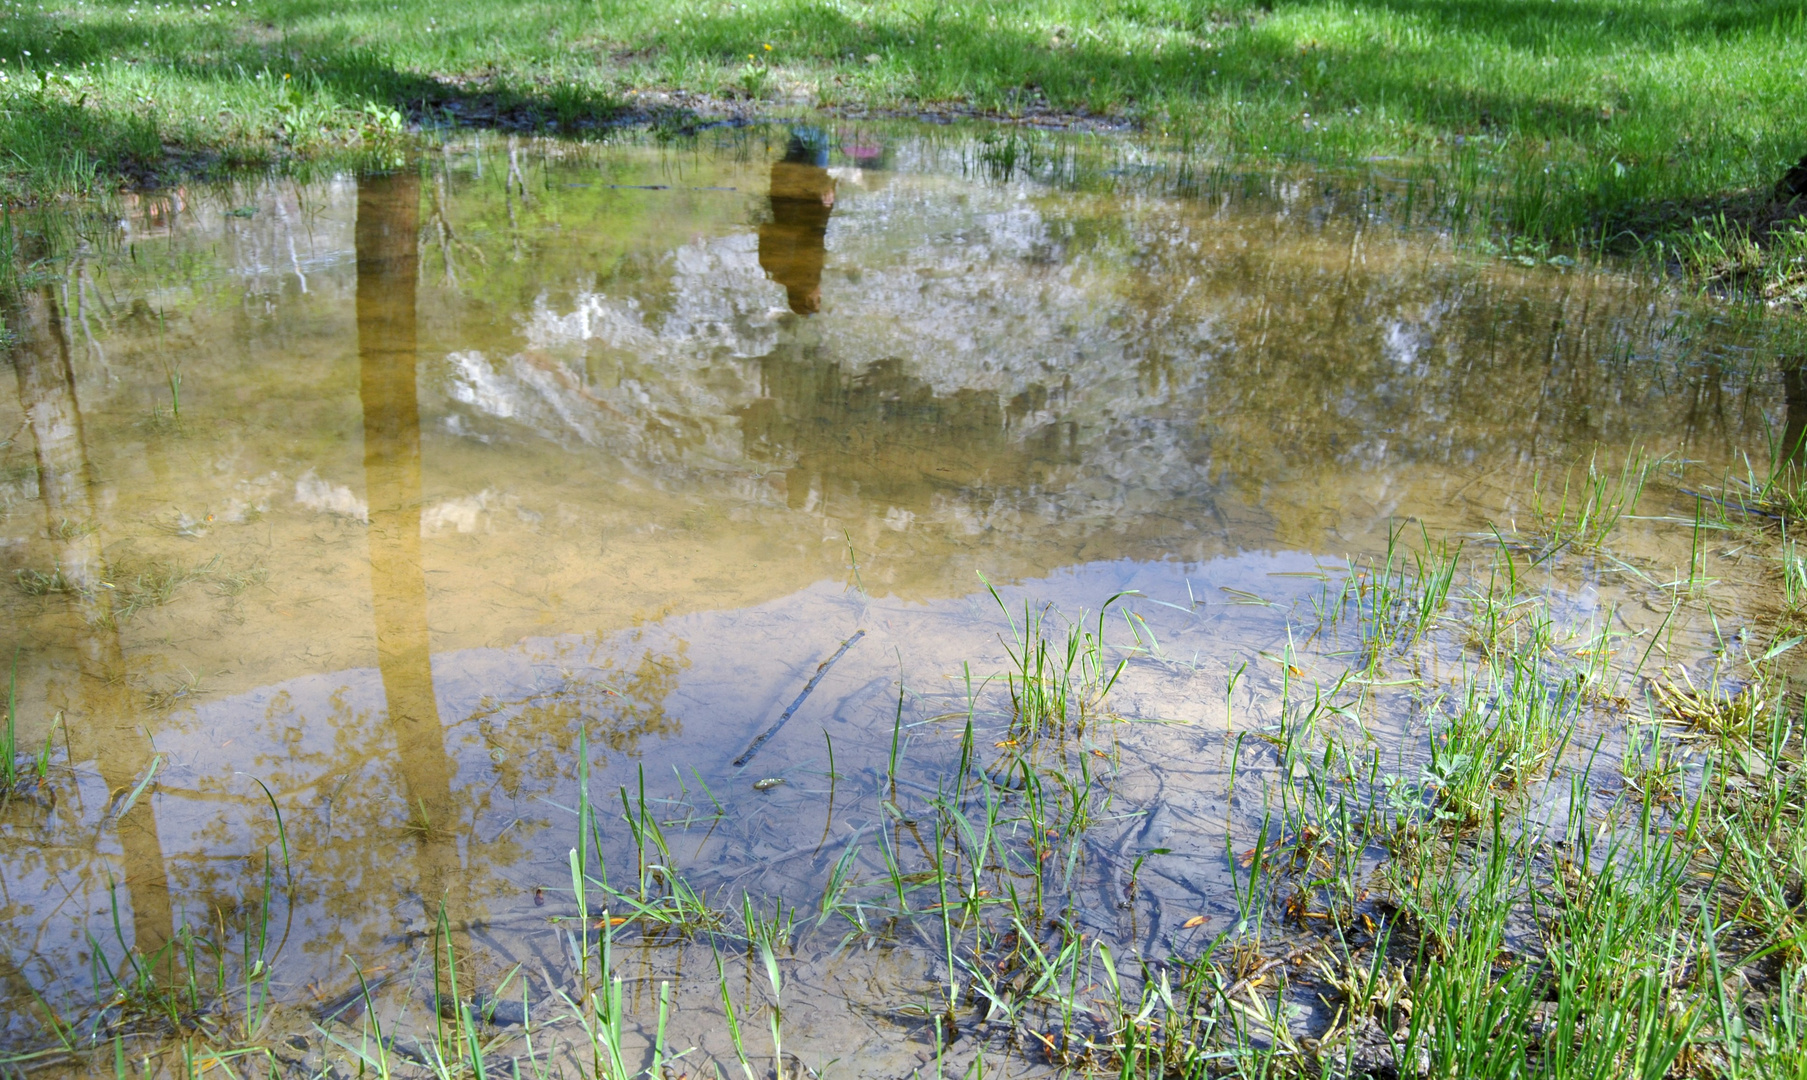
335	514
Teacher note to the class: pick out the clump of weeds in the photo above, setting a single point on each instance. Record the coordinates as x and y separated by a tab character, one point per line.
1583	513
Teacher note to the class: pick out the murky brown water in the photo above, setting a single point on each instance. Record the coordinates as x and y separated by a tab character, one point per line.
373	492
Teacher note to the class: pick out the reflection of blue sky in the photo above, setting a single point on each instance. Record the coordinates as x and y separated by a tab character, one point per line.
510	716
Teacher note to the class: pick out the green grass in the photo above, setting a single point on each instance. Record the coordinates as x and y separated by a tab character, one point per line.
1585	511
213	979
1660	123
9	738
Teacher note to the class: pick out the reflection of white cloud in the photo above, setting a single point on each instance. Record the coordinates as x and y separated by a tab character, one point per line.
1405	338
476	384
662	386
474	513
463	513
530	389
969	294
1098	354
594	316
253	498
1401	343
317	494
455	425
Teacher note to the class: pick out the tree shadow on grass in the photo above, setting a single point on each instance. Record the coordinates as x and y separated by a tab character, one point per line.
984	62
992	67
1595	26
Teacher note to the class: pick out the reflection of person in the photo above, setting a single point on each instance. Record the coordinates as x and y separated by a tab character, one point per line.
792	246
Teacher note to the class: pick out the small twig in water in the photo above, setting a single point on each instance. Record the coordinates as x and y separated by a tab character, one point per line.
807	687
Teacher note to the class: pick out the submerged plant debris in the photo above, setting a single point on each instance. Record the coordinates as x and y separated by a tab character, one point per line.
1289	643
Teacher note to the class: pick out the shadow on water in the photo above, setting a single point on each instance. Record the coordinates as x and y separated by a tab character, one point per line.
887	435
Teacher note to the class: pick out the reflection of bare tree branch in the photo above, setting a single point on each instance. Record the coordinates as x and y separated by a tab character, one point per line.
84	285
515	183
288	232
442	230
449	241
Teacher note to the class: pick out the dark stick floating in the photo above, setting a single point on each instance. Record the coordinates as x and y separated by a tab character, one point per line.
807	687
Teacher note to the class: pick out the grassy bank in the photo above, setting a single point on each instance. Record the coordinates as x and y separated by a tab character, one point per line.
1569	123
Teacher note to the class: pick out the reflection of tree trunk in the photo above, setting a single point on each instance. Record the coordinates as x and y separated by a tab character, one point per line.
107	732
387	228
47	394
1794	429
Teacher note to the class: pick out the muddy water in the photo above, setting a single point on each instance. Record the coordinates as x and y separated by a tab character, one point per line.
359	500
